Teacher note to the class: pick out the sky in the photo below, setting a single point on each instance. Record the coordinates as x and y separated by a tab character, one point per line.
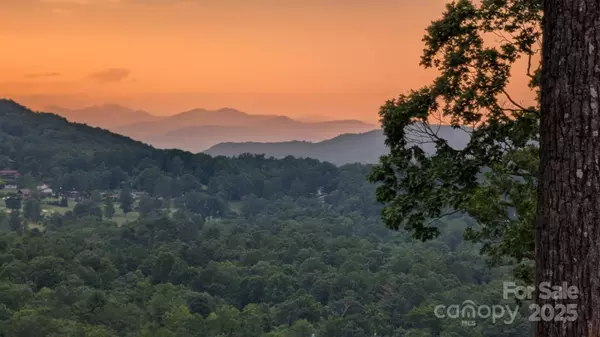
329	58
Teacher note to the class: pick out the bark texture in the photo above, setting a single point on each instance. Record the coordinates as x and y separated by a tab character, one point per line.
568	219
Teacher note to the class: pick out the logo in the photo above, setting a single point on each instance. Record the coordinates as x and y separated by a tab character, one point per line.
469	312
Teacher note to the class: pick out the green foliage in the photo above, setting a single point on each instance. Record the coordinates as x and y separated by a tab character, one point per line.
13	202
15	222
87	208
126	200
109	208
295	268
32	210
148	205
245	246
492	179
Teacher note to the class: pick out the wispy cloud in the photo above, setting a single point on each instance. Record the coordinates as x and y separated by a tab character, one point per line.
41	75
112	75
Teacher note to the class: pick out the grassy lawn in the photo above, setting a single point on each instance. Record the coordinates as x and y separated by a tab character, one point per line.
6	191
49	209
121	218
236	206
35	225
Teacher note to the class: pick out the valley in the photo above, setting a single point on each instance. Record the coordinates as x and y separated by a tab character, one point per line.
171	243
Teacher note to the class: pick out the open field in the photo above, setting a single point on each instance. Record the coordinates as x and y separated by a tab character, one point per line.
47	209
121	218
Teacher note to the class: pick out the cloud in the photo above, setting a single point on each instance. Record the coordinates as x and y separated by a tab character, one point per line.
41	75
112	75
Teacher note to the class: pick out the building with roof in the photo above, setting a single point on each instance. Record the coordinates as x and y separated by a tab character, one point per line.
9	175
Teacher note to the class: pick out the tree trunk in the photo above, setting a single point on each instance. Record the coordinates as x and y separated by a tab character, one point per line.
568	218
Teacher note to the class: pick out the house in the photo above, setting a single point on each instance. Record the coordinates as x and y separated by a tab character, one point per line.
9	175
24	193
138	194
76	195
45	189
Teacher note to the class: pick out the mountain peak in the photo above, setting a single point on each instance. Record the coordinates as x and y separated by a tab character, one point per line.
111	106
96	108
230	111
107	115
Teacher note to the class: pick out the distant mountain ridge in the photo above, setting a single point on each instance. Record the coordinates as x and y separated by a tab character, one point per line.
108	116
365	148
198	129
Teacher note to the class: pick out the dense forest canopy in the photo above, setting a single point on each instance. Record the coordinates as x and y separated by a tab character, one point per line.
245	246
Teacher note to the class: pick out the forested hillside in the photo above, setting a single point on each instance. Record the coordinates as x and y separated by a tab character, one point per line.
365	148
78	157
237	247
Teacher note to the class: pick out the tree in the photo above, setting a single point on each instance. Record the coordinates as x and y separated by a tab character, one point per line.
109	208
15	223
96	197
147	205
87	208
32	210
126	200
568	209
30	323
2	184
26	181
64	202
253	205
492	176
176	166
162	268
204	204
13	202
46	271
252	321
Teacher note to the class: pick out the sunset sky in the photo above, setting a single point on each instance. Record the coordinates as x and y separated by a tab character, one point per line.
334	58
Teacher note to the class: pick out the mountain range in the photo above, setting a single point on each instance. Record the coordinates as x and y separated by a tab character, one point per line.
198	129
47	131
365	148
106	116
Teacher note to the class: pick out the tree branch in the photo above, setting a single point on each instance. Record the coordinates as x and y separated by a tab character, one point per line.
514	102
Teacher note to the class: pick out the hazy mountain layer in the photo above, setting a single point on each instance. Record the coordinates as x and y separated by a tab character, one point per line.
197	130
347	148
107	116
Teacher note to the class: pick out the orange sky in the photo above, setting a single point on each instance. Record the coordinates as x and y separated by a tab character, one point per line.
337	58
